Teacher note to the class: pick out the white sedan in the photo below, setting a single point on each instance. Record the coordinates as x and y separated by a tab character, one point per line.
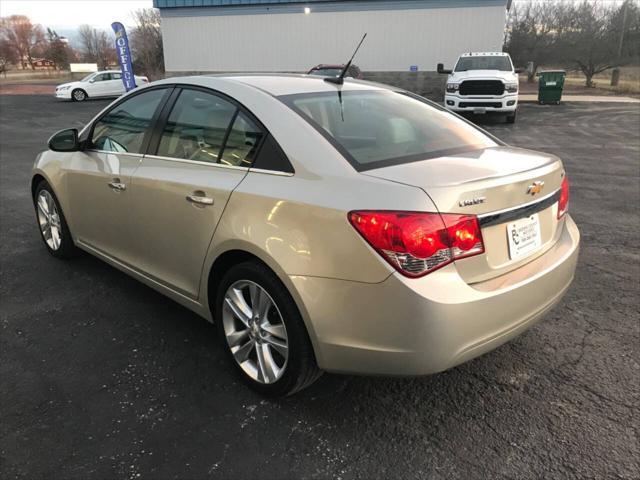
99	84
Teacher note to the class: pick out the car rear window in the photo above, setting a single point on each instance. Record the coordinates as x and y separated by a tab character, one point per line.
378	128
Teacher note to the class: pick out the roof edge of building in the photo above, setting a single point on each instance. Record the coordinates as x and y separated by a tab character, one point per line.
179	8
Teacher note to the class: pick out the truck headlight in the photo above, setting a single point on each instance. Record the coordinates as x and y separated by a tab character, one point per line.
453	87
511	87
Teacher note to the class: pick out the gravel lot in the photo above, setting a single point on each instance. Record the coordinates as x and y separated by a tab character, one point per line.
101	377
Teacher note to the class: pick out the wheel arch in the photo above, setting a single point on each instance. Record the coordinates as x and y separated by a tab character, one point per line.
36	179
86	95
231	256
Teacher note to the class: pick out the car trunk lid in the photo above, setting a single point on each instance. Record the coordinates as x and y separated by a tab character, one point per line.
501	185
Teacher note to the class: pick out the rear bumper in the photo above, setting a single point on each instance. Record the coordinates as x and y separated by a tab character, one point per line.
405	326
504	103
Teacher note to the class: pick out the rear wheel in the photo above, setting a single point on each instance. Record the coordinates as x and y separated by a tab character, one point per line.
79	95
263	332
53	226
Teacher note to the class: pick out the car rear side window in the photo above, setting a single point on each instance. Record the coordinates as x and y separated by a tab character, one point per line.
197	127
123	128
271	157
242	143
378	128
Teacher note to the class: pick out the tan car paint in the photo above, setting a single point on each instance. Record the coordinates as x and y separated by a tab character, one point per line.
173	234
361	315
406	326
100	212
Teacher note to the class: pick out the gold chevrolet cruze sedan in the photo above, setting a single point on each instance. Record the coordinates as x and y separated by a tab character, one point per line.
349	228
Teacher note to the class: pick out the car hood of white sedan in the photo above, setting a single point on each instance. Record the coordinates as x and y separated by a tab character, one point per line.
69	84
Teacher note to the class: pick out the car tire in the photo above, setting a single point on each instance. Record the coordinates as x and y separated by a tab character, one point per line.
79	95
52	224
511	118
255	341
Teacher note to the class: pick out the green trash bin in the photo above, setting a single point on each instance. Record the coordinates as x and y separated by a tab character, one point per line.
550	84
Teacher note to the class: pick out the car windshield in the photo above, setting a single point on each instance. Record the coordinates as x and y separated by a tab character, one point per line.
88	77
327	72
488	62
379	128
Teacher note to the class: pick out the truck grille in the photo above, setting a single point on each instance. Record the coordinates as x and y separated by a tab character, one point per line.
480	104
481	87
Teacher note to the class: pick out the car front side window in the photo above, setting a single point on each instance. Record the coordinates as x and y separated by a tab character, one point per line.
123	128
197	127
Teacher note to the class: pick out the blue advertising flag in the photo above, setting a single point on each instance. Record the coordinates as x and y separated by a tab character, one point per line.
124	56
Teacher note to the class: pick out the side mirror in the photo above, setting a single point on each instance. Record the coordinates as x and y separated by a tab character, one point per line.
93	80
65	141
442	70
520	70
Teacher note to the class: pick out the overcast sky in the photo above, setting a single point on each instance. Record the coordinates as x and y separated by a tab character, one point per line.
71	13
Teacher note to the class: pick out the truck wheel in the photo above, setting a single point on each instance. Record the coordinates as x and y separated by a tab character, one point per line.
511	118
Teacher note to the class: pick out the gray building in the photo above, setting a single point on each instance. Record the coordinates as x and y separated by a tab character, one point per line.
406	38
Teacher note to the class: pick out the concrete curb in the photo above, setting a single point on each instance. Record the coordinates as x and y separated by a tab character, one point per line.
533	98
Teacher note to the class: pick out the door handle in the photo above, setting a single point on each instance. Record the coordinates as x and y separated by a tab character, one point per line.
200	199
116	185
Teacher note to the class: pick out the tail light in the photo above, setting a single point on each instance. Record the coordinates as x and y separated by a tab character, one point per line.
417	243
563	202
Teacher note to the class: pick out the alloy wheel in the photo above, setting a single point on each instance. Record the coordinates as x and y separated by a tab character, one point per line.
79	95
49	220
255	331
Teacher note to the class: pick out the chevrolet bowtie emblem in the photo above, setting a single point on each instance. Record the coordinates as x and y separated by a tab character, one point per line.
535	188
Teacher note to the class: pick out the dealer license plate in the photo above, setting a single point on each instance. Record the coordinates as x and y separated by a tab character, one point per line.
524	236
479	110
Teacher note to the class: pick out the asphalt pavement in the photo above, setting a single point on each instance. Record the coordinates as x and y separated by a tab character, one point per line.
102	377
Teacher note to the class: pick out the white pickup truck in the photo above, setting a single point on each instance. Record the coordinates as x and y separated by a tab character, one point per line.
482	82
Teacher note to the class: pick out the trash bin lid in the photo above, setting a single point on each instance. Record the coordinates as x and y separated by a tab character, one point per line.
540	72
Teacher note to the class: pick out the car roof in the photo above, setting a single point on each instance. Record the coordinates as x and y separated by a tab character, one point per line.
485	54
332	65
277	84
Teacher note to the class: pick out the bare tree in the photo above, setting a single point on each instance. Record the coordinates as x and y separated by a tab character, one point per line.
7	56
22	37
146	43
588	42
591	36
56	50
529	33
96	47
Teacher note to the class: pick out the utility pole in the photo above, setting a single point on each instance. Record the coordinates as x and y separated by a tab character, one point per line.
615	74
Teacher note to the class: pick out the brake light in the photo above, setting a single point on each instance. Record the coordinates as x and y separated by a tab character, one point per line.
563	202
417	243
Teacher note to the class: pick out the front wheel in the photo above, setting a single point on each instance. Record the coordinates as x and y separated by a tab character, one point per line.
53	226
511	118
79	95
263	332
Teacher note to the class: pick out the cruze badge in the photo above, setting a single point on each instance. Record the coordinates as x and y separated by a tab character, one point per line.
536	187
472	201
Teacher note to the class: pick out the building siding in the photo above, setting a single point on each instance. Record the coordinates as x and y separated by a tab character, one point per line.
294	42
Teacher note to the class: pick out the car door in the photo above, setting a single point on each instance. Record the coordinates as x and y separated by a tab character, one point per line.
204	150
98	86
116	87
98	178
